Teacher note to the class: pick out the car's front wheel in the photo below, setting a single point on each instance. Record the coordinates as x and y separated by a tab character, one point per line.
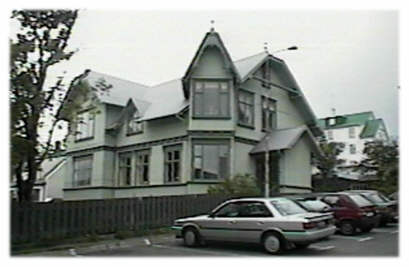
272	243
190	237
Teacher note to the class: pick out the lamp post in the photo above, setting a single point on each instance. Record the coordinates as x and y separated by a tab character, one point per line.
267	150
285	49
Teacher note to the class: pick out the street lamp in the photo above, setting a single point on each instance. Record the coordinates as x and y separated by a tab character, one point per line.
267	150
285	49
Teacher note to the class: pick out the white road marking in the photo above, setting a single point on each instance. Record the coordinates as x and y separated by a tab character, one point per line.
381	230
395	232
365	239
196	250
322	248
345	237
147	242
72	252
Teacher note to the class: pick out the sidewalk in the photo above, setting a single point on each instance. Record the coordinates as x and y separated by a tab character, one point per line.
72	250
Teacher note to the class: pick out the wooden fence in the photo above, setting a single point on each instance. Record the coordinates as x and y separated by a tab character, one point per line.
34	222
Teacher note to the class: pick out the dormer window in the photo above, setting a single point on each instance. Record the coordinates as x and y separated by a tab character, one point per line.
134	126
211	99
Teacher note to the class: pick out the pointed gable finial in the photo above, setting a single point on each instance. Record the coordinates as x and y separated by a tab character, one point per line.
266	47
212	25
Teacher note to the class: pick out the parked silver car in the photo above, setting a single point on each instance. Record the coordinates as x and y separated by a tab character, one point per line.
276	223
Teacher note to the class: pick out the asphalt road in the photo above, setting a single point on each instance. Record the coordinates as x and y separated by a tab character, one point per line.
380	242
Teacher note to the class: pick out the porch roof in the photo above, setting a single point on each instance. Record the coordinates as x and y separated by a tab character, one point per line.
281	139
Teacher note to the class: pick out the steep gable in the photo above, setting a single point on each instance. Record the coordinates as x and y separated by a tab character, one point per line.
211	42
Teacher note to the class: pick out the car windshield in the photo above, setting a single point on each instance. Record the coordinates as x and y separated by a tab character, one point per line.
375	198
287	207
360	201
314	205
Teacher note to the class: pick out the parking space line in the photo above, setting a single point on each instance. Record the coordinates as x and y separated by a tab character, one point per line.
322	248
345	237
196	250
365	239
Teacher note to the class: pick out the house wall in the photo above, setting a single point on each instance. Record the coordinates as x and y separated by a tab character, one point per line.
341	135
287	114
55	182
295	166
99	135
243	162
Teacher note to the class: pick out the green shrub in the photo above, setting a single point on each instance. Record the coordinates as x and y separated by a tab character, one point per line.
239	186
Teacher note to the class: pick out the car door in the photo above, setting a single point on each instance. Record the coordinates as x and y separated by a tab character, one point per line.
220	225
252	220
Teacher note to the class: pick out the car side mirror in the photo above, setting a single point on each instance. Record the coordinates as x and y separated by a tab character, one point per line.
212	215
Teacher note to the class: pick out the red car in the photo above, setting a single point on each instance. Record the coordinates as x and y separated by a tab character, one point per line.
351	212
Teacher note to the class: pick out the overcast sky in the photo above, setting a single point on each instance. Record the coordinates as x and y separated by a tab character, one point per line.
347	60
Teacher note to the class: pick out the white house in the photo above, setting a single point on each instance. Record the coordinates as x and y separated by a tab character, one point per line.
181	136
353	130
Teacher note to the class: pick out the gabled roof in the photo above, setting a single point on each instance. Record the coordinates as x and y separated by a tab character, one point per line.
166	98
246	66
282	139
371	128
121	89
347	120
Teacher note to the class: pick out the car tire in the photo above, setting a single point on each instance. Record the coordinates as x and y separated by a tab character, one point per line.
272	243
347	228
191	237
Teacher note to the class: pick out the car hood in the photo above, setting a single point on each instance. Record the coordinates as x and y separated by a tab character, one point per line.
198	217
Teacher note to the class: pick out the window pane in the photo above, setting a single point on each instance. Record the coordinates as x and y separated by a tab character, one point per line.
224	105
198	102
210	162
211	100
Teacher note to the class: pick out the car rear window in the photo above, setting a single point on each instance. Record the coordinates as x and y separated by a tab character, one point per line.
374	197
360	201
287	206
315	205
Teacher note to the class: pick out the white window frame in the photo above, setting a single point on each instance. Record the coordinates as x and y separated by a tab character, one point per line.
351	132
352	149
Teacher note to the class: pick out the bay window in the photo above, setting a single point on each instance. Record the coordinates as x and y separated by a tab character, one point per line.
211	99
211	160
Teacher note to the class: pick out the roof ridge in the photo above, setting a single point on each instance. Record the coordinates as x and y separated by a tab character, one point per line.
244	58
119	78
165	82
